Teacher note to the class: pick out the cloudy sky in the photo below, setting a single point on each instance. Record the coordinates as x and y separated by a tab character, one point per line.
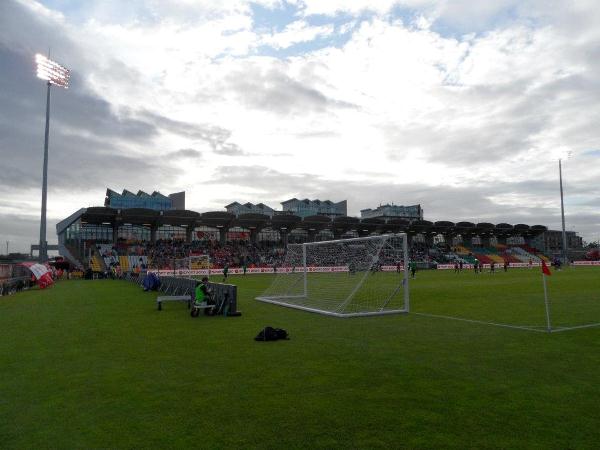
463	107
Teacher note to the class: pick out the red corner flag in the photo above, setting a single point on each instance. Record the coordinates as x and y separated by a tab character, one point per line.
545	269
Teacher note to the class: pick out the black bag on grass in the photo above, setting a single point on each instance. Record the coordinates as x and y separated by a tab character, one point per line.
271	334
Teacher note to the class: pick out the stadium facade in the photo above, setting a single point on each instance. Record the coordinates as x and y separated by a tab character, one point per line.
155	201
550	242
307	208
237	209
413	212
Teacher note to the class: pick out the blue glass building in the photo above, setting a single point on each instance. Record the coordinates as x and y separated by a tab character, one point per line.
155	201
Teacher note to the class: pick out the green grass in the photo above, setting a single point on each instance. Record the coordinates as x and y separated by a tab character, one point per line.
515	297
92	364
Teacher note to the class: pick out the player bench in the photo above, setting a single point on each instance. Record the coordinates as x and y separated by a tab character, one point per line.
181	298
223	296
173	298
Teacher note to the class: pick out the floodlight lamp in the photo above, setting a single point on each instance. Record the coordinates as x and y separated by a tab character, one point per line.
562	153
52	72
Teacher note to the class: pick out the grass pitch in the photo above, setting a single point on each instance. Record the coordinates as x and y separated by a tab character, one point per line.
93	364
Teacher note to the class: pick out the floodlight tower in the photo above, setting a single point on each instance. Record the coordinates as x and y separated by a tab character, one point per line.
57	75
564	154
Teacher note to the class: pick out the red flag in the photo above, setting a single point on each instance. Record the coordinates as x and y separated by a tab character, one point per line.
545	269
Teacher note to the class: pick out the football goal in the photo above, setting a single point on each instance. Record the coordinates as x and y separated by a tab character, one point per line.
344	278
185	266
199	262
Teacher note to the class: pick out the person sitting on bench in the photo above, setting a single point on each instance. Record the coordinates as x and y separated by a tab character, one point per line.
201	292
202	298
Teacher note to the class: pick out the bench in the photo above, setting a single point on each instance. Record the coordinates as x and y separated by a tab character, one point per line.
173	298
196	306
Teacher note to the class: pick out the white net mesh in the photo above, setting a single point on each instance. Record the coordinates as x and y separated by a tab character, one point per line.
199	262
191	265
343	277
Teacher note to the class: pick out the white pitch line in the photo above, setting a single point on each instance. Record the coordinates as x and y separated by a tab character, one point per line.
590	325
518	327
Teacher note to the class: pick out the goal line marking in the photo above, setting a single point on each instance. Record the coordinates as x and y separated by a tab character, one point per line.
504	325
577	327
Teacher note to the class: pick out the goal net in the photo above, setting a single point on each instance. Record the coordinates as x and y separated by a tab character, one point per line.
191	265
346	277
199	262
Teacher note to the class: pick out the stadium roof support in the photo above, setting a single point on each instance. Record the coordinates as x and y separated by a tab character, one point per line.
251	221
285	221
217	219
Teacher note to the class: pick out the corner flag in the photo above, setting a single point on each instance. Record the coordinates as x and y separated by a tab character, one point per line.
545	269
546	272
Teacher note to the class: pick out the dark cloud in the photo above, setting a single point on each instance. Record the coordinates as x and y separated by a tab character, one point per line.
476	124
228	149
186	153
216	137
21	231
274	91
270	181
89	142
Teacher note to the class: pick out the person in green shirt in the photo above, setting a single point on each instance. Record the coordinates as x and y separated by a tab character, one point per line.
201	296
201	292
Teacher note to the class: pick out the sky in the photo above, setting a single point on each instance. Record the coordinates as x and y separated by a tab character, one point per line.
463	107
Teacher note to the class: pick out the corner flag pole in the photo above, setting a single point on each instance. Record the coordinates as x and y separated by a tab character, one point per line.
545	273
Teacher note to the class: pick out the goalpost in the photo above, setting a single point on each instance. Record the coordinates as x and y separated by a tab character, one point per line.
345	277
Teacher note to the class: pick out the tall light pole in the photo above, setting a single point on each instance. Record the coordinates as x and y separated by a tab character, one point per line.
562	215
57	75
565	155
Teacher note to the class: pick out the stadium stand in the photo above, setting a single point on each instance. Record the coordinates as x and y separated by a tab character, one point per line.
95	264
129	256
132	238
124	263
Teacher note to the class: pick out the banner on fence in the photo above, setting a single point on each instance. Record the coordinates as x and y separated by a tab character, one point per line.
259	270
41	273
